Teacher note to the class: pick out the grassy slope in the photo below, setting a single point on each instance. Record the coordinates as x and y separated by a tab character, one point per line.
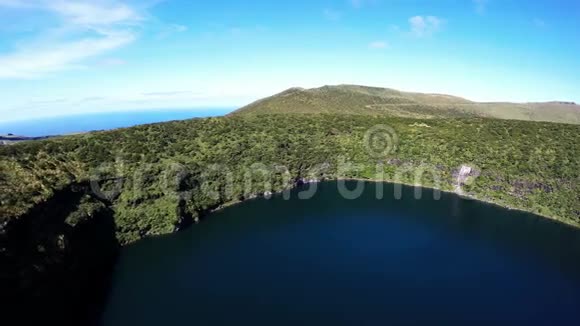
353	99
528	165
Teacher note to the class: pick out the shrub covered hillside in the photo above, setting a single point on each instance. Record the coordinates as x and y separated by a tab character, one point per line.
157	177
67	204
353	99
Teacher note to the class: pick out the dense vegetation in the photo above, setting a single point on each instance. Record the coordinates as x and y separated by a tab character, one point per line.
354	99
68	203
173	172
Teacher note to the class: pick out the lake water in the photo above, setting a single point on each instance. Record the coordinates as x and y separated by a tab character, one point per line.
101	121
332	261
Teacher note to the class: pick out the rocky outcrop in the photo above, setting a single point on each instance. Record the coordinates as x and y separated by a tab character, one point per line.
461	176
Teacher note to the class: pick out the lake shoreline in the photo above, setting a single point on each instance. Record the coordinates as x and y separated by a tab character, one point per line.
462	196
314	257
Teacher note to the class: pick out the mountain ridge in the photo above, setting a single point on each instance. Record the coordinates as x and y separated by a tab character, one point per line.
357	99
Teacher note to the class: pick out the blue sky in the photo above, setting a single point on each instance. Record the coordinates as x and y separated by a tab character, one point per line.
62	57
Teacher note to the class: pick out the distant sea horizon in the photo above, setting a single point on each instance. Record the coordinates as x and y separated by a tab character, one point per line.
80	123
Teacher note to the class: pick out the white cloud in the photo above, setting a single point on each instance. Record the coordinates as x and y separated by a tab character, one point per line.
332	14
80	12
378	45
480	6
425	26
86	29
94	13
36	62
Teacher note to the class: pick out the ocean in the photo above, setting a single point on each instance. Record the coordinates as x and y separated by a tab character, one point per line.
36	127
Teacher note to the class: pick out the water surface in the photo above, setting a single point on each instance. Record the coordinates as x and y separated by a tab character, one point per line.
332	261
101	121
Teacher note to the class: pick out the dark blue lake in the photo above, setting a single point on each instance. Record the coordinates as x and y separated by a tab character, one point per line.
333	261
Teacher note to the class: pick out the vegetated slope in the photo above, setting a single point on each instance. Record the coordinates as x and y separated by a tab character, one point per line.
66	204
533	166
352	99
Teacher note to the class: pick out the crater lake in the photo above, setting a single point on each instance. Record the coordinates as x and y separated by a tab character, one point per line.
330	260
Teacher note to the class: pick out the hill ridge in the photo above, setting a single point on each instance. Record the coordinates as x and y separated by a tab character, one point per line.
369	100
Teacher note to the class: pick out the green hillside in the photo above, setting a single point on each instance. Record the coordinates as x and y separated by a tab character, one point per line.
527	165
351	99
68	203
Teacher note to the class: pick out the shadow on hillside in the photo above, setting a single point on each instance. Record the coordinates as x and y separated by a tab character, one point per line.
52	271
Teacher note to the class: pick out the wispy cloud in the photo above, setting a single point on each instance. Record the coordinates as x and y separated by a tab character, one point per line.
171	29
237	31
16	3
540	23
111	62
94	13
331	14
37	61
480	6
86	29
169	93
178	28
377	45
42	102
425	26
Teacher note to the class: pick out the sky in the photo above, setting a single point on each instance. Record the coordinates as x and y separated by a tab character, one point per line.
64	57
